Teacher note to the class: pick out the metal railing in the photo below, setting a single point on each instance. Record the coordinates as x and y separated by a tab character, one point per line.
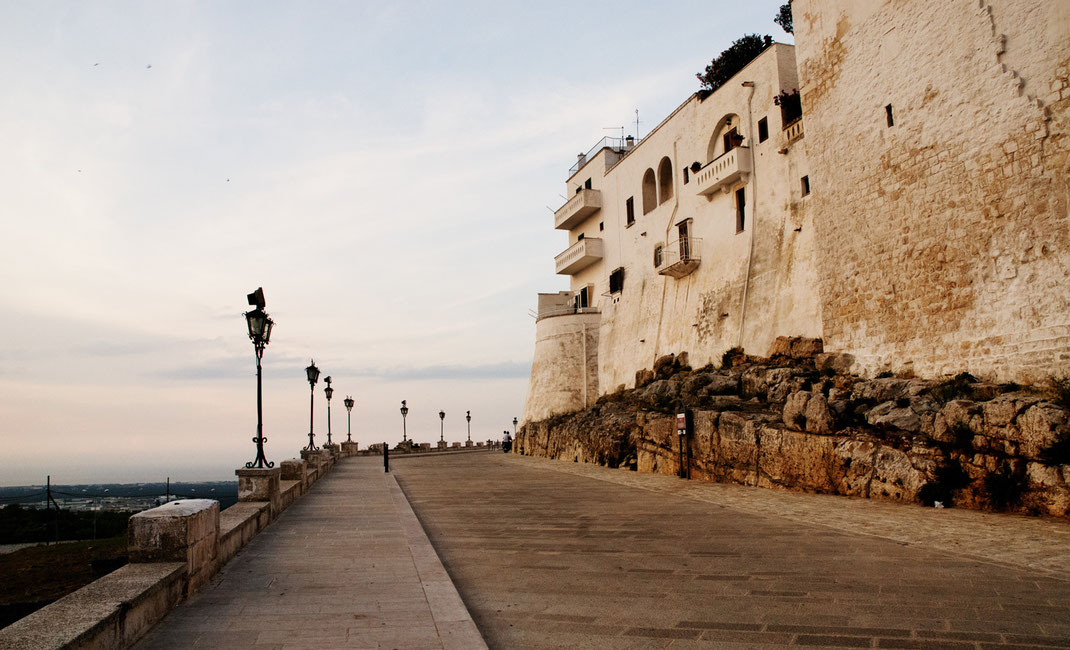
609	142
564	310
681	250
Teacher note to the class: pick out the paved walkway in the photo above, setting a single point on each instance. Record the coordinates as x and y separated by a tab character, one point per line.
548	554
346	566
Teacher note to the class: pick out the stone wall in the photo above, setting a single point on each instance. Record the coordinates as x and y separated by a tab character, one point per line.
564	369
805	424
943	240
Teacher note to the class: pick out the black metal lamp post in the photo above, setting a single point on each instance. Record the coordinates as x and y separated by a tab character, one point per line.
514	426
348	401
328	391
441	426
468	416
313	376
260	332
404	412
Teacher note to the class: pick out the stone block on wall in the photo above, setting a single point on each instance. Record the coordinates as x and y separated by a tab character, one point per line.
180	531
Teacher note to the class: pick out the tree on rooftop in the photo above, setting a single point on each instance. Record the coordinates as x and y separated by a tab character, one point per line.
732	60
784	18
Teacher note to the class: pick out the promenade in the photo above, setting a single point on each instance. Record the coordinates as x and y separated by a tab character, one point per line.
550	554
347	566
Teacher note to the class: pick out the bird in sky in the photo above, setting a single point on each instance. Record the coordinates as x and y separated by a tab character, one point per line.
148	66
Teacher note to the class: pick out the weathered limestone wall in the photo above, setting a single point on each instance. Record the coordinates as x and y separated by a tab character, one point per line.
564	370
943	241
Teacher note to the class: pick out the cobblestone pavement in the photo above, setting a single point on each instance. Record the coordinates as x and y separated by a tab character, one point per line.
550	554
346	566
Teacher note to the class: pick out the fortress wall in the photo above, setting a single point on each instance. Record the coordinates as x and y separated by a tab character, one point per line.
942	241
564	371
701	313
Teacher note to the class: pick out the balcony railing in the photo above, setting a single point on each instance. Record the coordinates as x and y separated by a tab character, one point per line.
723	170
681	257
579	256
579	207
794	131
565	311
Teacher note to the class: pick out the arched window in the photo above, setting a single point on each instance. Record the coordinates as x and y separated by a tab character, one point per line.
664	180
650	191
725	137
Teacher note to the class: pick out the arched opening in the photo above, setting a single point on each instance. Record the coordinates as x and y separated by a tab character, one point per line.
650	191
725	137
664	180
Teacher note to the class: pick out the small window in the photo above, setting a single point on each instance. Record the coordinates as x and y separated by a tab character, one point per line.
579	237
601	226
616	281
805	185
687	176
763	130
732	139
657	255
741	209
630	207
888	114
587	185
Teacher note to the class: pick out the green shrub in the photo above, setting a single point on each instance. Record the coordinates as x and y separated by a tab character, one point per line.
729	62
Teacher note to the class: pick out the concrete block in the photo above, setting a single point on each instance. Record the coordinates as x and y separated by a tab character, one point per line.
180	531
260	485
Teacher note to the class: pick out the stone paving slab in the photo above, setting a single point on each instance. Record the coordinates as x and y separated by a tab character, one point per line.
346	566
548	554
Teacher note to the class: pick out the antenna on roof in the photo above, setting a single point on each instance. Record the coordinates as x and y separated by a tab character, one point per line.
614	128
637	125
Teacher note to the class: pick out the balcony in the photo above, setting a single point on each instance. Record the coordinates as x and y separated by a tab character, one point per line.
680	257
579	207
723	171
794	131
579	256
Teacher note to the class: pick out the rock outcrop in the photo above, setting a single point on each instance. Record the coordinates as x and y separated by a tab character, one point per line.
798	420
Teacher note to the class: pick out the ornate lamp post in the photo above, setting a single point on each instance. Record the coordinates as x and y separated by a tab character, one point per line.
441	426
260	333
404	412
313	376
514	426
468	416
328	391
348	401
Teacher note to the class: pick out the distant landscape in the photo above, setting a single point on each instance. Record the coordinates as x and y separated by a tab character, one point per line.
119	496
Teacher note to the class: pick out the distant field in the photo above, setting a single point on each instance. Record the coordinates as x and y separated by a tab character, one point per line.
33	577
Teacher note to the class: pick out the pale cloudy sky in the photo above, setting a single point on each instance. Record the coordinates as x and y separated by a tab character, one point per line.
382	169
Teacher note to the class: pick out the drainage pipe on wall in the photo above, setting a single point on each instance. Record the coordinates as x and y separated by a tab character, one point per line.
754	211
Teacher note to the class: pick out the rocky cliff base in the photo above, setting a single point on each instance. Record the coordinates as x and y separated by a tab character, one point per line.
798	420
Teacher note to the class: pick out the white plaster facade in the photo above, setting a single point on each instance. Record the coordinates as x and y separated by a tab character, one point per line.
936	140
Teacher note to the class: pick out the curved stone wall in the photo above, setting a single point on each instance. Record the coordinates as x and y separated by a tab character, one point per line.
564	371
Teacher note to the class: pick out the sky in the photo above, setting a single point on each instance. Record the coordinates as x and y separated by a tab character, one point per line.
386	171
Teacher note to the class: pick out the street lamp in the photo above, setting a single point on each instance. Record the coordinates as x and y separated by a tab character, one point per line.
404	412
348	401
313	376
329	391
468	416
260	332
514	426
441	426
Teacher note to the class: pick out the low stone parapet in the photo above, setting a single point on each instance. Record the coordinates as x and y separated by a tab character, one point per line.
180	531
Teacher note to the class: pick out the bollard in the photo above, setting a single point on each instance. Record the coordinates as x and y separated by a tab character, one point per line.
386	458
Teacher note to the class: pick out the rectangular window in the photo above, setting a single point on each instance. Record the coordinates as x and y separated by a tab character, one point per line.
582	297
763	130
805	185
630	207
732	139
888	114
587	185
686	176
616	281
741	209
601	226
579	236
